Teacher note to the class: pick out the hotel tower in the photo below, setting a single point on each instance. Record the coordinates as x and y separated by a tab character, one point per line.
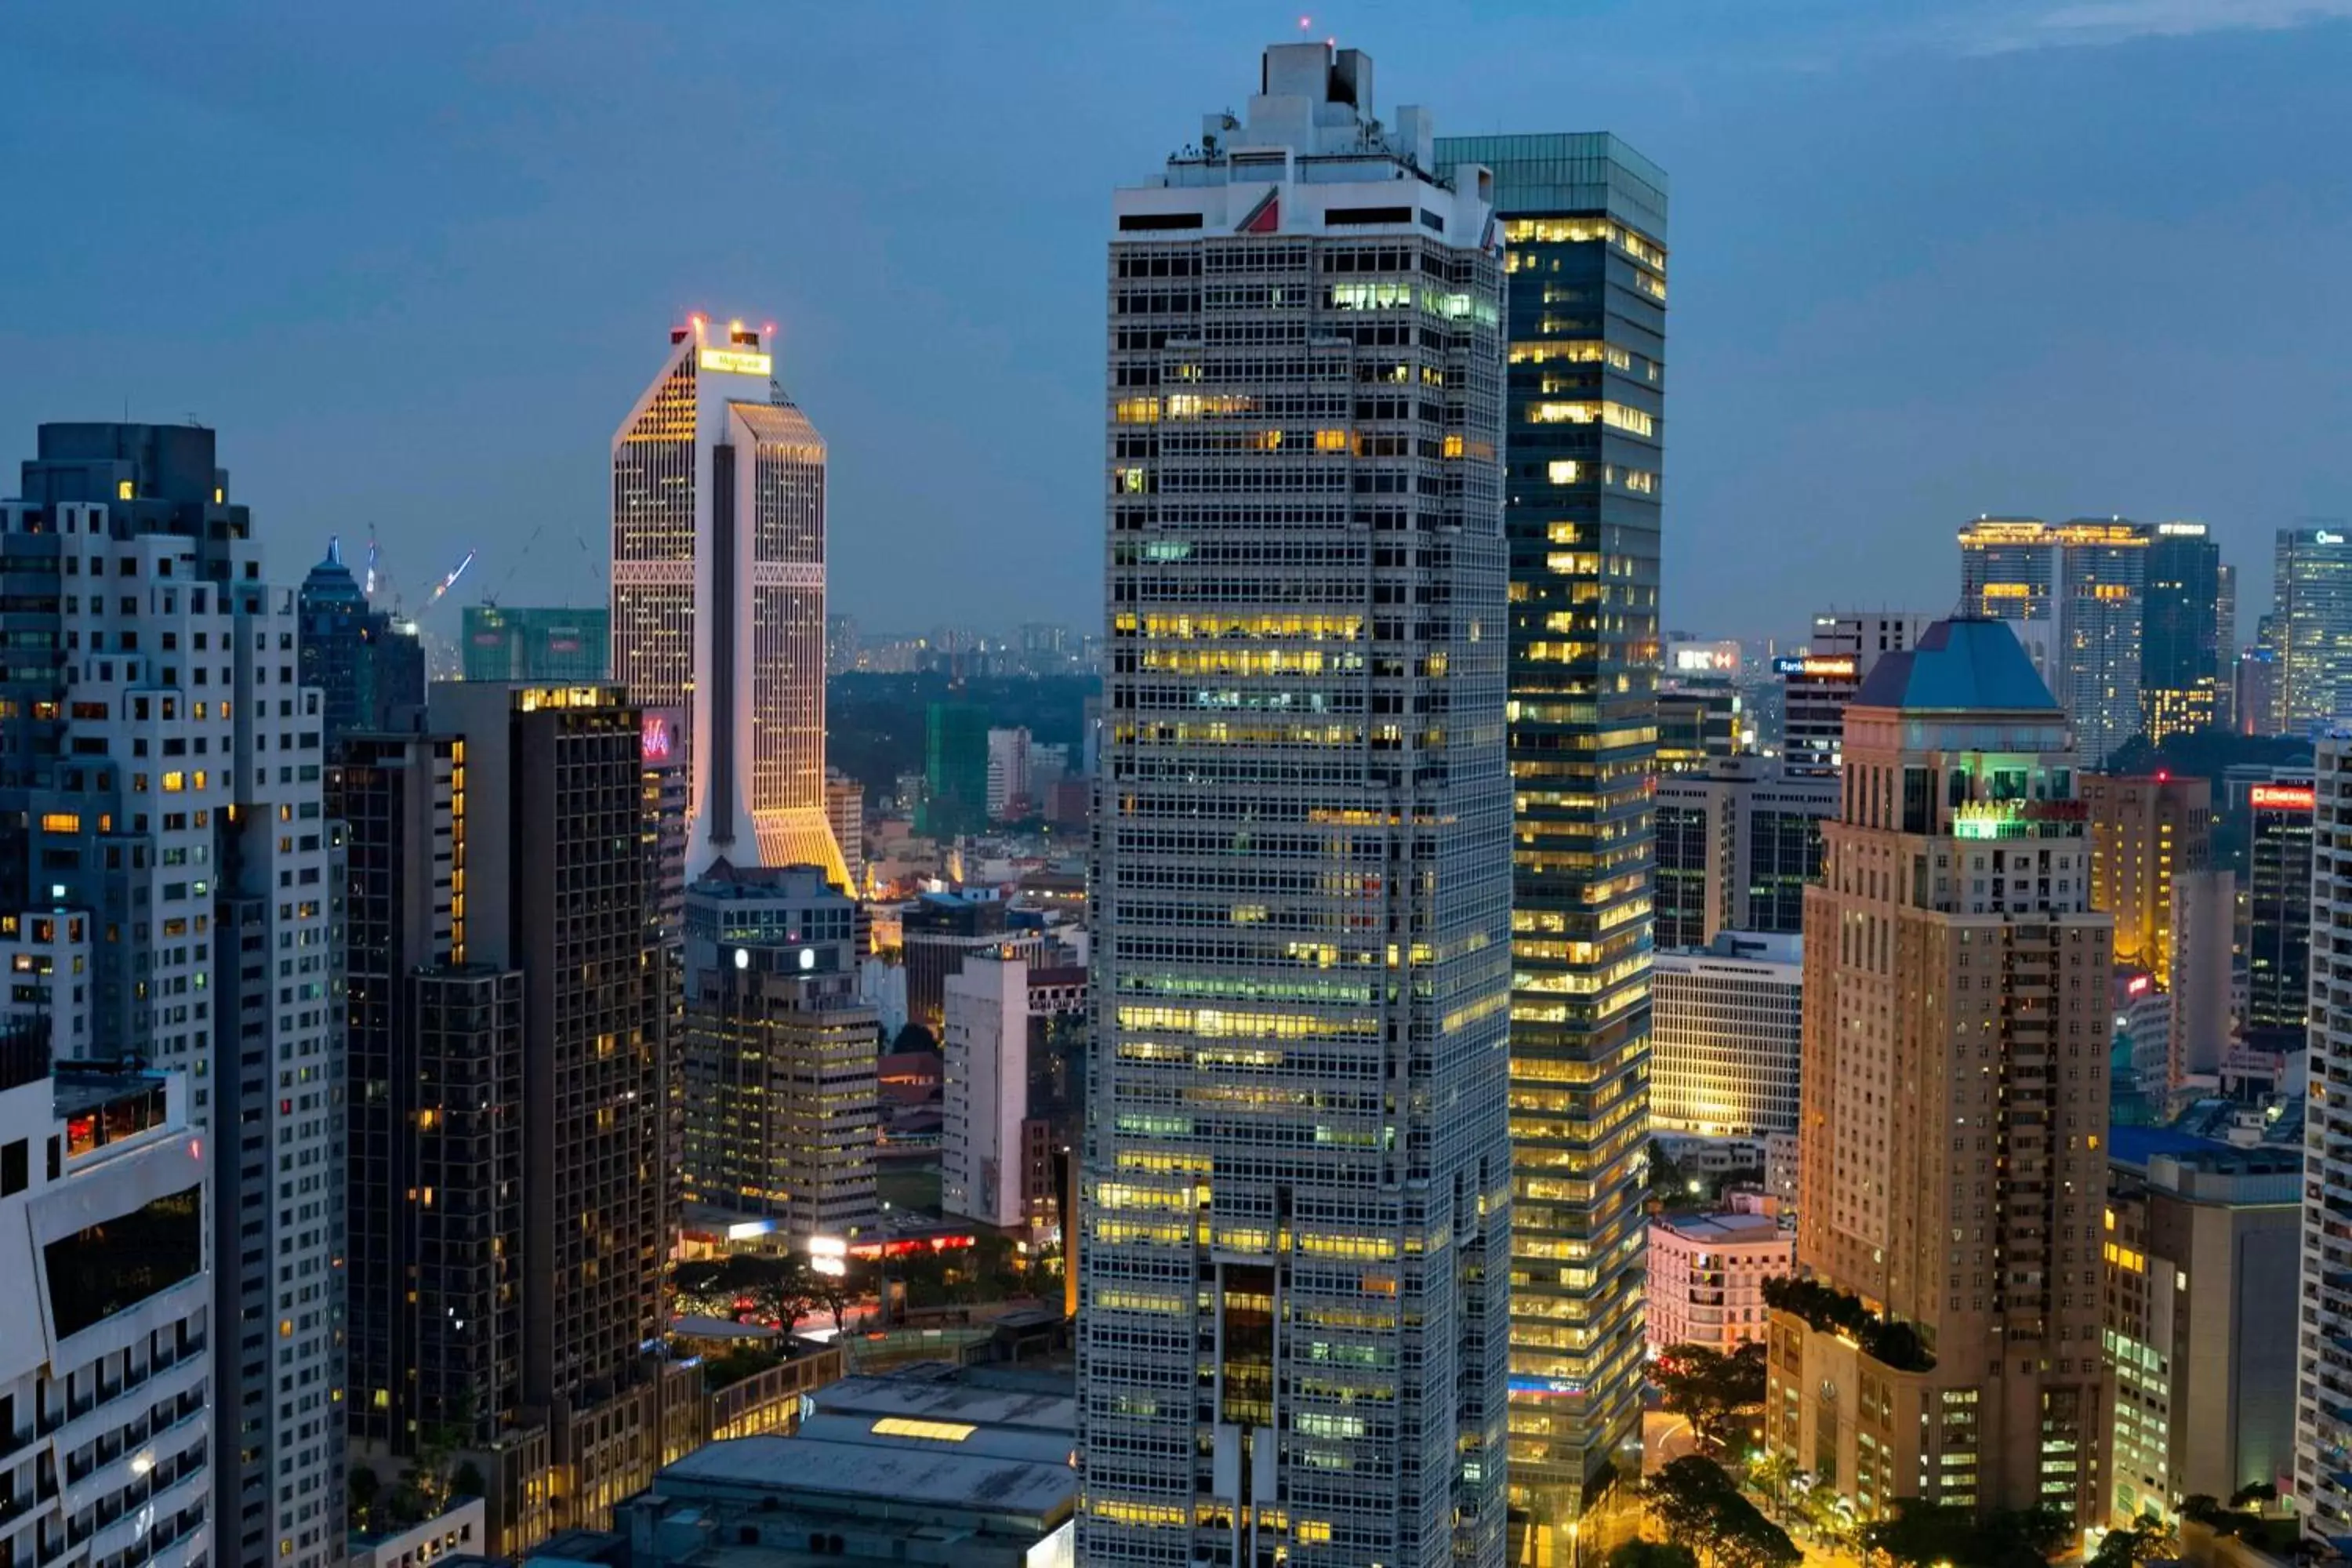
1946	1345
718	593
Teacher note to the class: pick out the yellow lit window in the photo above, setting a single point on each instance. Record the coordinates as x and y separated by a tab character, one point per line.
174	783
123	491
933	1431
61	822
1332	440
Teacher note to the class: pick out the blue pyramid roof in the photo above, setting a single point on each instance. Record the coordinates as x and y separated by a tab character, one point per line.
1965	664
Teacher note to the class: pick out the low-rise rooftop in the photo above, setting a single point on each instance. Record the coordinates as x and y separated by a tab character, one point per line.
881	1474
1725	1229
951	1399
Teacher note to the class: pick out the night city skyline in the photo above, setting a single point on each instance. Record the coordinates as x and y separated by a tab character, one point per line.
1925	266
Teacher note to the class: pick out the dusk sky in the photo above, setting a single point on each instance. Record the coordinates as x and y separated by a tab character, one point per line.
2023	257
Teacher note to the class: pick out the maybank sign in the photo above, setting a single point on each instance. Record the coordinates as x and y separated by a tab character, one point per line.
734	361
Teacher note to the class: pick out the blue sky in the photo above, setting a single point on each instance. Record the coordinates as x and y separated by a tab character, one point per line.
415	262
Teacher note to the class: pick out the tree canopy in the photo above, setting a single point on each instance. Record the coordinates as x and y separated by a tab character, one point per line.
1887	1341
1921	1534
1698	1504
2129	1545
1709	1388
1652	1554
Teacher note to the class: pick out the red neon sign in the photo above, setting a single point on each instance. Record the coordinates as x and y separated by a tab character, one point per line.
2284	797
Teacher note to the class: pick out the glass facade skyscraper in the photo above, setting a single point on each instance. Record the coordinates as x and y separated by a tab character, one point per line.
2182	643
2089	579
1296	1183
955	770
366	667
2311	626
1585	219
718	593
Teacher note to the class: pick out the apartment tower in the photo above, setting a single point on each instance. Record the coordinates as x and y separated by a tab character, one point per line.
1295	1167
719	592
1585	217
106	1383
2145	832
160	779
2322	1417
508	1015
1954	1105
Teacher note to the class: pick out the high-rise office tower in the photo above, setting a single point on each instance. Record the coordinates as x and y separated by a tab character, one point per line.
1819	682
2310	625
366	665
1296	1149
1729	1029
1954	1103
2145	832
506	642
2181	647
779	1056
104	1193
2011	570
719	592
2086	578
1698	722
160	761
1585	216
2278	914
955	770
937	932
1736	847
